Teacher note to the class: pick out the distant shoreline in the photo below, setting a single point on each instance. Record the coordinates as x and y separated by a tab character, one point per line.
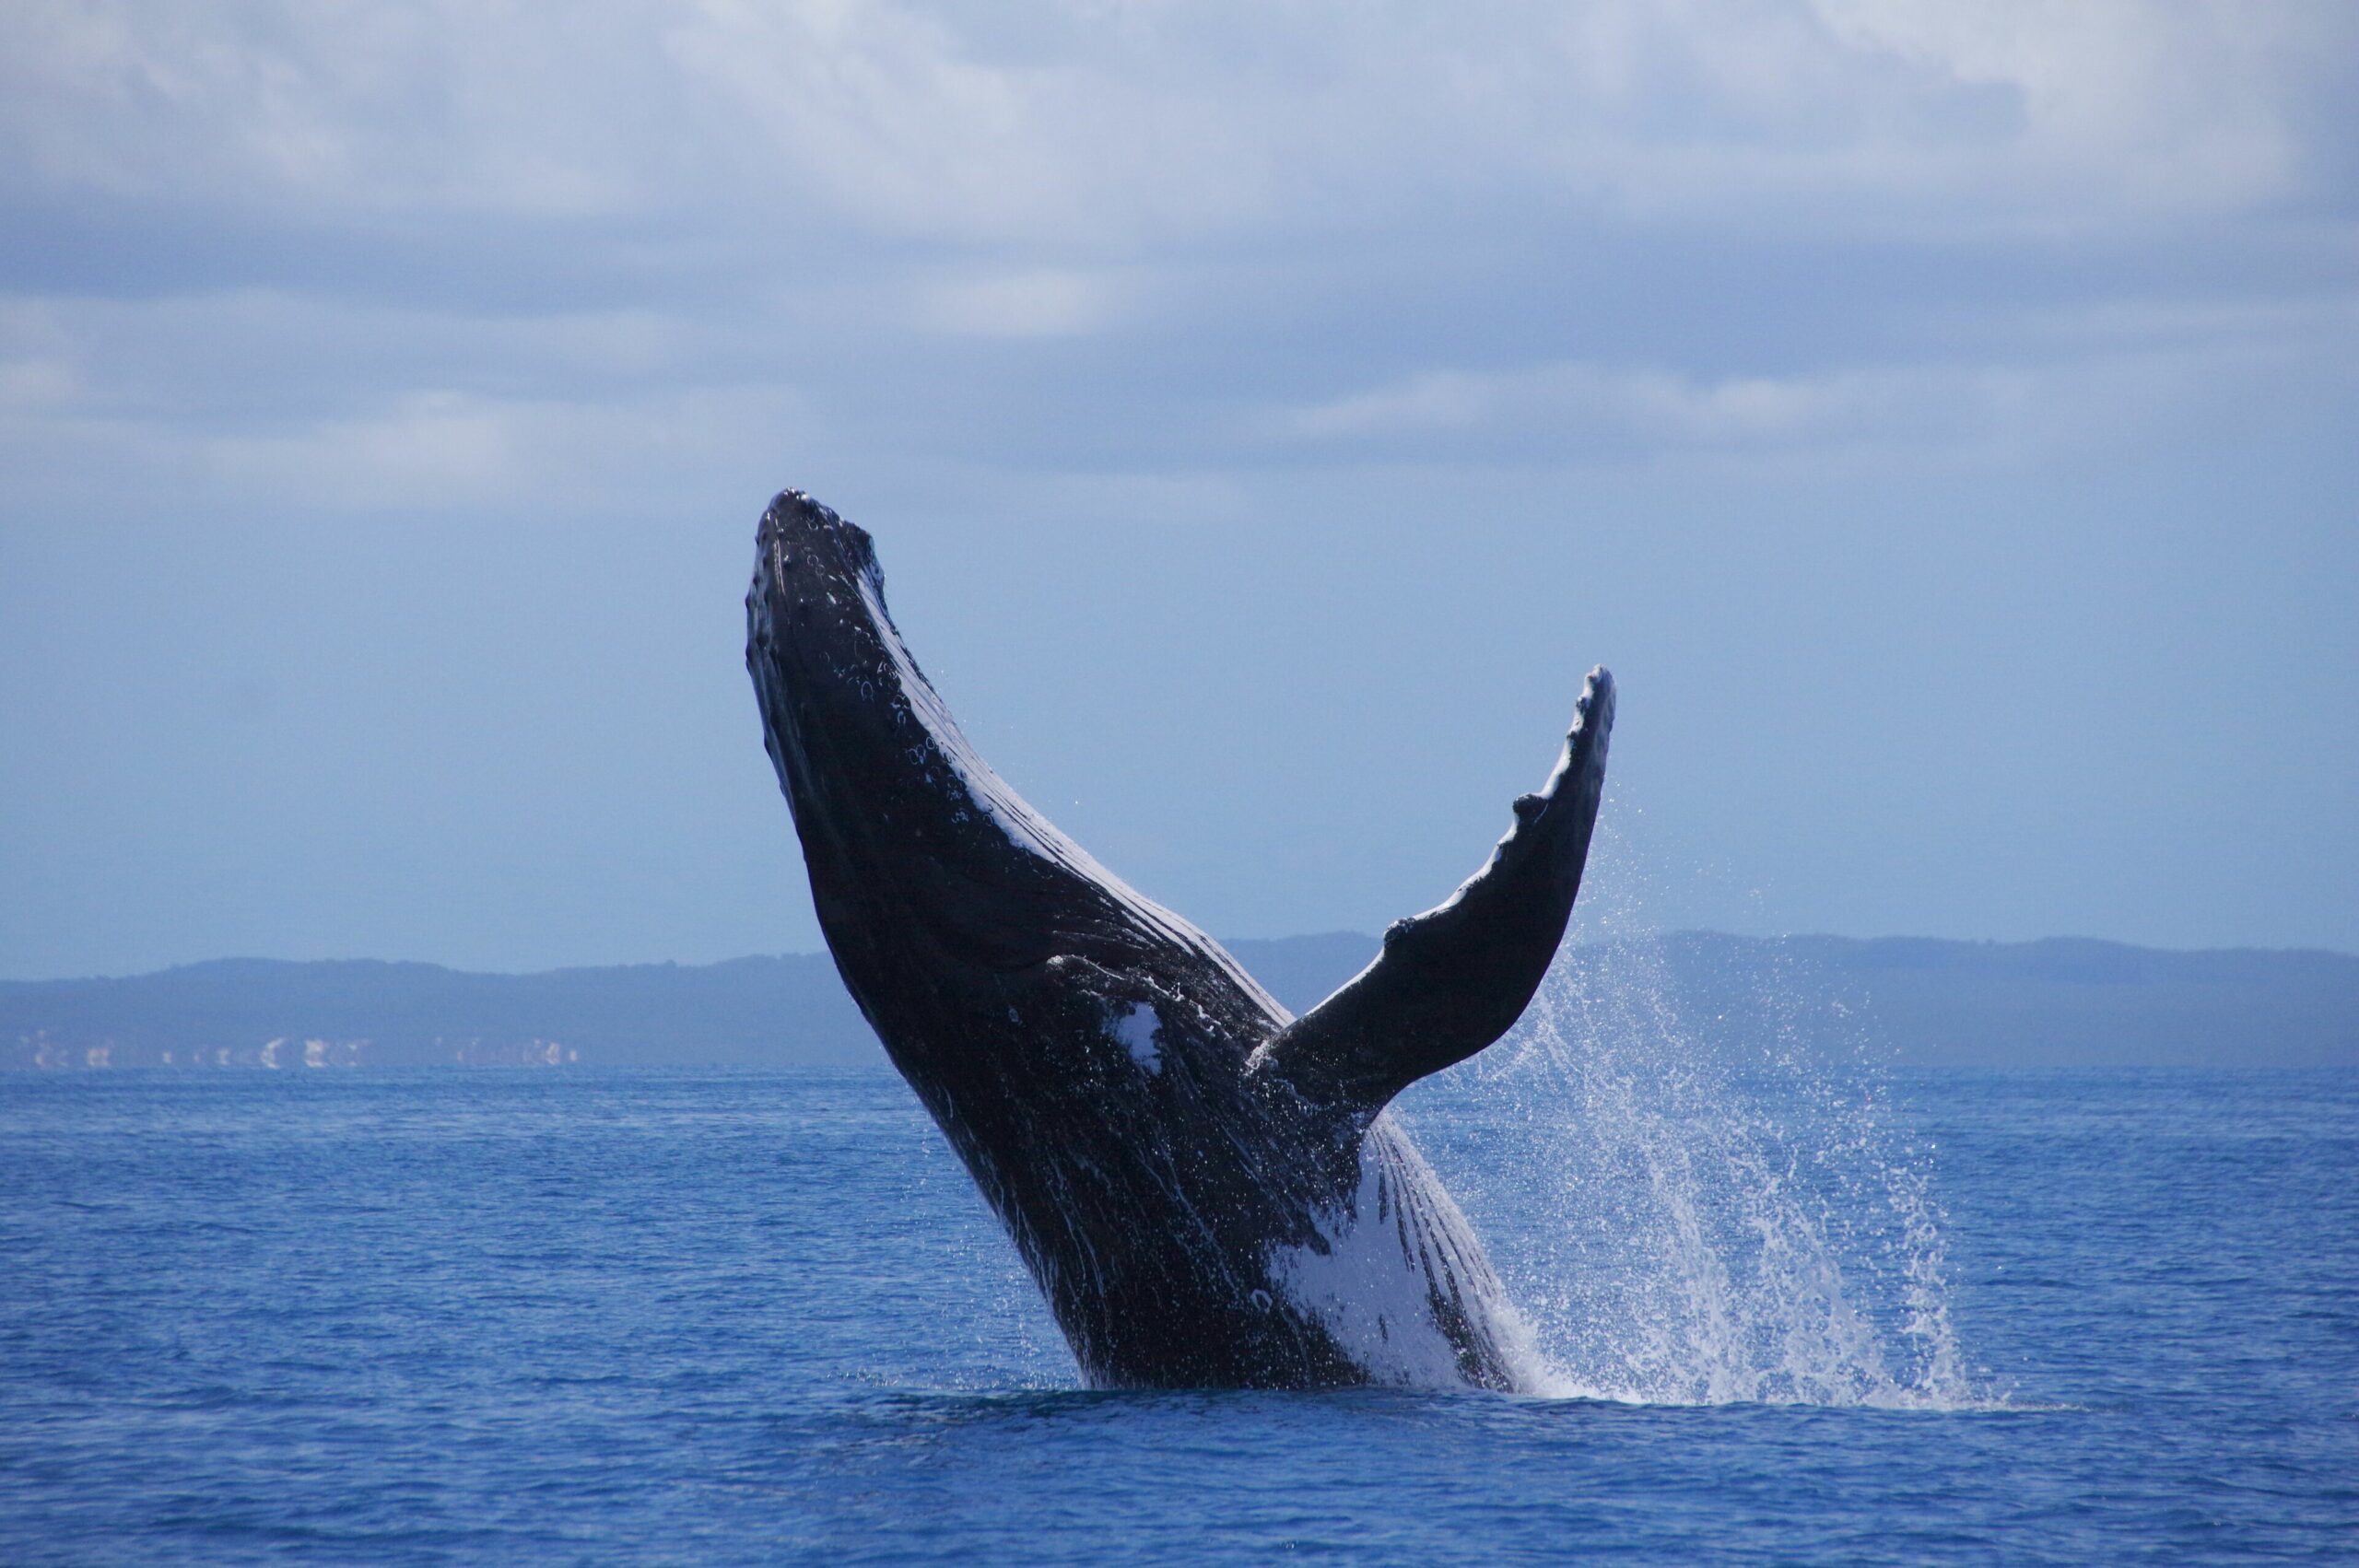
2057	1002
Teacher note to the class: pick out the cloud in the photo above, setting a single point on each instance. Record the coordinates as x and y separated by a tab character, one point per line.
1035	304
1115	127
417	241
2106	377
1557	412
444	448
2136	107
279	402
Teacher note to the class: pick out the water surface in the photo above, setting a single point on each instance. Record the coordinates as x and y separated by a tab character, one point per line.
559	1315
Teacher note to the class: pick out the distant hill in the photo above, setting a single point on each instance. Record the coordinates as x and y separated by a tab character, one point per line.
2060	1002
259	1012
2076	1003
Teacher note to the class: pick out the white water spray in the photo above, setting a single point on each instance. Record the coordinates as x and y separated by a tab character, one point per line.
1704	1210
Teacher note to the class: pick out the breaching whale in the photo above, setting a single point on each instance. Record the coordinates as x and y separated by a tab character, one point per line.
1208	1191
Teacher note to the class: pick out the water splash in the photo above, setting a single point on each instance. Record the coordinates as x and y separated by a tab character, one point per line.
1707	1209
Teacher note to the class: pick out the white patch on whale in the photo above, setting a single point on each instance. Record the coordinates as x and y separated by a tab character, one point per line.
1137	1029
1372	1288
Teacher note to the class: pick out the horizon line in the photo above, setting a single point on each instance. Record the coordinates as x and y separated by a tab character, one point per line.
1226	941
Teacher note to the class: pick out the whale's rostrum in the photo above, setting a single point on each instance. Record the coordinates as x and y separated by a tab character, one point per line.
1208	1191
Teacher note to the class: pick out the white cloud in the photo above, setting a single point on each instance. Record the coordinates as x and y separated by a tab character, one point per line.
2115	376
1096	127
269	401
1046	303
427	447
1576	410
1141	235
2129	104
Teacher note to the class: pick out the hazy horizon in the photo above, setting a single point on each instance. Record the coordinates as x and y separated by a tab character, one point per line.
1572	938
1940	422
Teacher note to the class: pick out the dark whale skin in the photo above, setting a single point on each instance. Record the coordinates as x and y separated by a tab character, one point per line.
1207	1191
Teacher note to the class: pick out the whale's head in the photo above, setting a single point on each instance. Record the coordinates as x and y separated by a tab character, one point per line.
897	820
923	861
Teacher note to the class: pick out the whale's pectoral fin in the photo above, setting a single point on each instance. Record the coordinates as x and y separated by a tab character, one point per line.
1453	980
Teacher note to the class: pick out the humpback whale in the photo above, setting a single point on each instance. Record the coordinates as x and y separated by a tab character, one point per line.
1209	1191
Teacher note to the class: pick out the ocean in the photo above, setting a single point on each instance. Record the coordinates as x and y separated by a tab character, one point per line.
558	1316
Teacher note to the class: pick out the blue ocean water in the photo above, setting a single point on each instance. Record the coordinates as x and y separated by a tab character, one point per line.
563	1315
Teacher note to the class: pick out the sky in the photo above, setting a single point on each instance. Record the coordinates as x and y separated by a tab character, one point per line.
1941	418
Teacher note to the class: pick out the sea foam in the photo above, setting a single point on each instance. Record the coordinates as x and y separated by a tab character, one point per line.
1693	1210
